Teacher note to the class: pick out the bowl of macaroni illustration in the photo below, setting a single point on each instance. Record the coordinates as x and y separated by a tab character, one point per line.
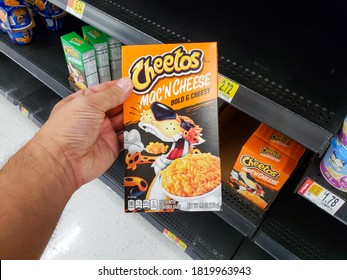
194	181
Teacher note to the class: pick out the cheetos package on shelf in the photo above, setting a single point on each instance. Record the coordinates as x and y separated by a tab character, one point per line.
264	164
171	140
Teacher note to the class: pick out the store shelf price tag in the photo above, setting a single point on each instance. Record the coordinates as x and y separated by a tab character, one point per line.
75	7
175	239
24	111
320	196
226	88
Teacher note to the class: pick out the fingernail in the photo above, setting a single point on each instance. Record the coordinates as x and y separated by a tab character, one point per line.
125	83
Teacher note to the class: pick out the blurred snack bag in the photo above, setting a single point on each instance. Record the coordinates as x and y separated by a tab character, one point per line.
51	14
17	21
33	4
3	19
13	3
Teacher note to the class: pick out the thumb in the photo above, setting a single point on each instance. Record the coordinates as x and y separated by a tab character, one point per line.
113	96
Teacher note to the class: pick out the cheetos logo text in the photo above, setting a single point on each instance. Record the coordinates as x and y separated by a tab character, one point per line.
146	71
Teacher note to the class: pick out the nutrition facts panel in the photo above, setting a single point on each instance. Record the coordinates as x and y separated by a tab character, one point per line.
90	68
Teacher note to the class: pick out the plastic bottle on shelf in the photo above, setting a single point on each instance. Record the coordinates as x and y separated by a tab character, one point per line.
52	16
333	166
343	133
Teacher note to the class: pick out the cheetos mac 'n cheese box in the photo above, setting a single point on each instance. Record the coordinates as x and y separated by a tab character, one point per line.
264	164
171	137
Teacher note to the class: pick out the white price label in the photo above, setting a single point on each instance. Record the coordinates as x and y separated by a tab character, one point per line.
75	7
224	97
323	198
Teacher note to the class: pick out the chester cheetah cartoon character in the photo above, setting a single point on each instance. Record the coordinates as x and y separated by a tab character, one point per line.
168	126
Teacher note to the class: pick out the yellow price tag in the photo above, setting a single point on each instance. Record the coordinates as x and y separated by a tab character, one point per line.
24	111
175	239
315	189
75	7
227	87
182	245
170	235
328	201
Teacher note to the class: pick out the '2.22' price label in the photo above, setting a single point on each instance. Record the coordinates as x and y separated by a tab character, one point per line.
226	88
323	198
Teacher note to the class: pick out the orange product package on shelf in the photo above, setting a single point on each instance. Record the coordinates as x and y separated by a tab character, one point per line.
264	164
280	141
171	128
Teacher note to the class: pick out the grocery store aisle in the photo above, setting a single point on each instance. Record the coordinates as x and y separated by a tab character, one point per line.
93	224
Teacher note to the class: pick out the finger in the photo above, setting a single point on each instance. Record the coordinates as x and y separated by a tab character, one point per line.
117	122
63	102
112	96
83	92
121	140
100	87
114	111
69	98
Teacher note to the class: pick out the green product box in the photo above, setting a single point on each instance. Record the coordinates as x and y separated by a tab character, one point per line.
80	58
98	40
115	52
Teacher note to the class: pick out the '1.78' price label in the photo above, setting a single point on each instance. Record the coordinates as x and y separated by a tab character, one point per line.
323	198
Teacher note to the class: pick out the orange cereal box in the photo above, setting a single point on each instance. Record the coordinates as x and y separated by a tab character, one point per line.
171	140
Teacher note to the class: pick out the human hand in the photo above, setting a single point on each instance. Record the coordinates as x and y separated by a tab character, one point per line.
81	132
78	143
